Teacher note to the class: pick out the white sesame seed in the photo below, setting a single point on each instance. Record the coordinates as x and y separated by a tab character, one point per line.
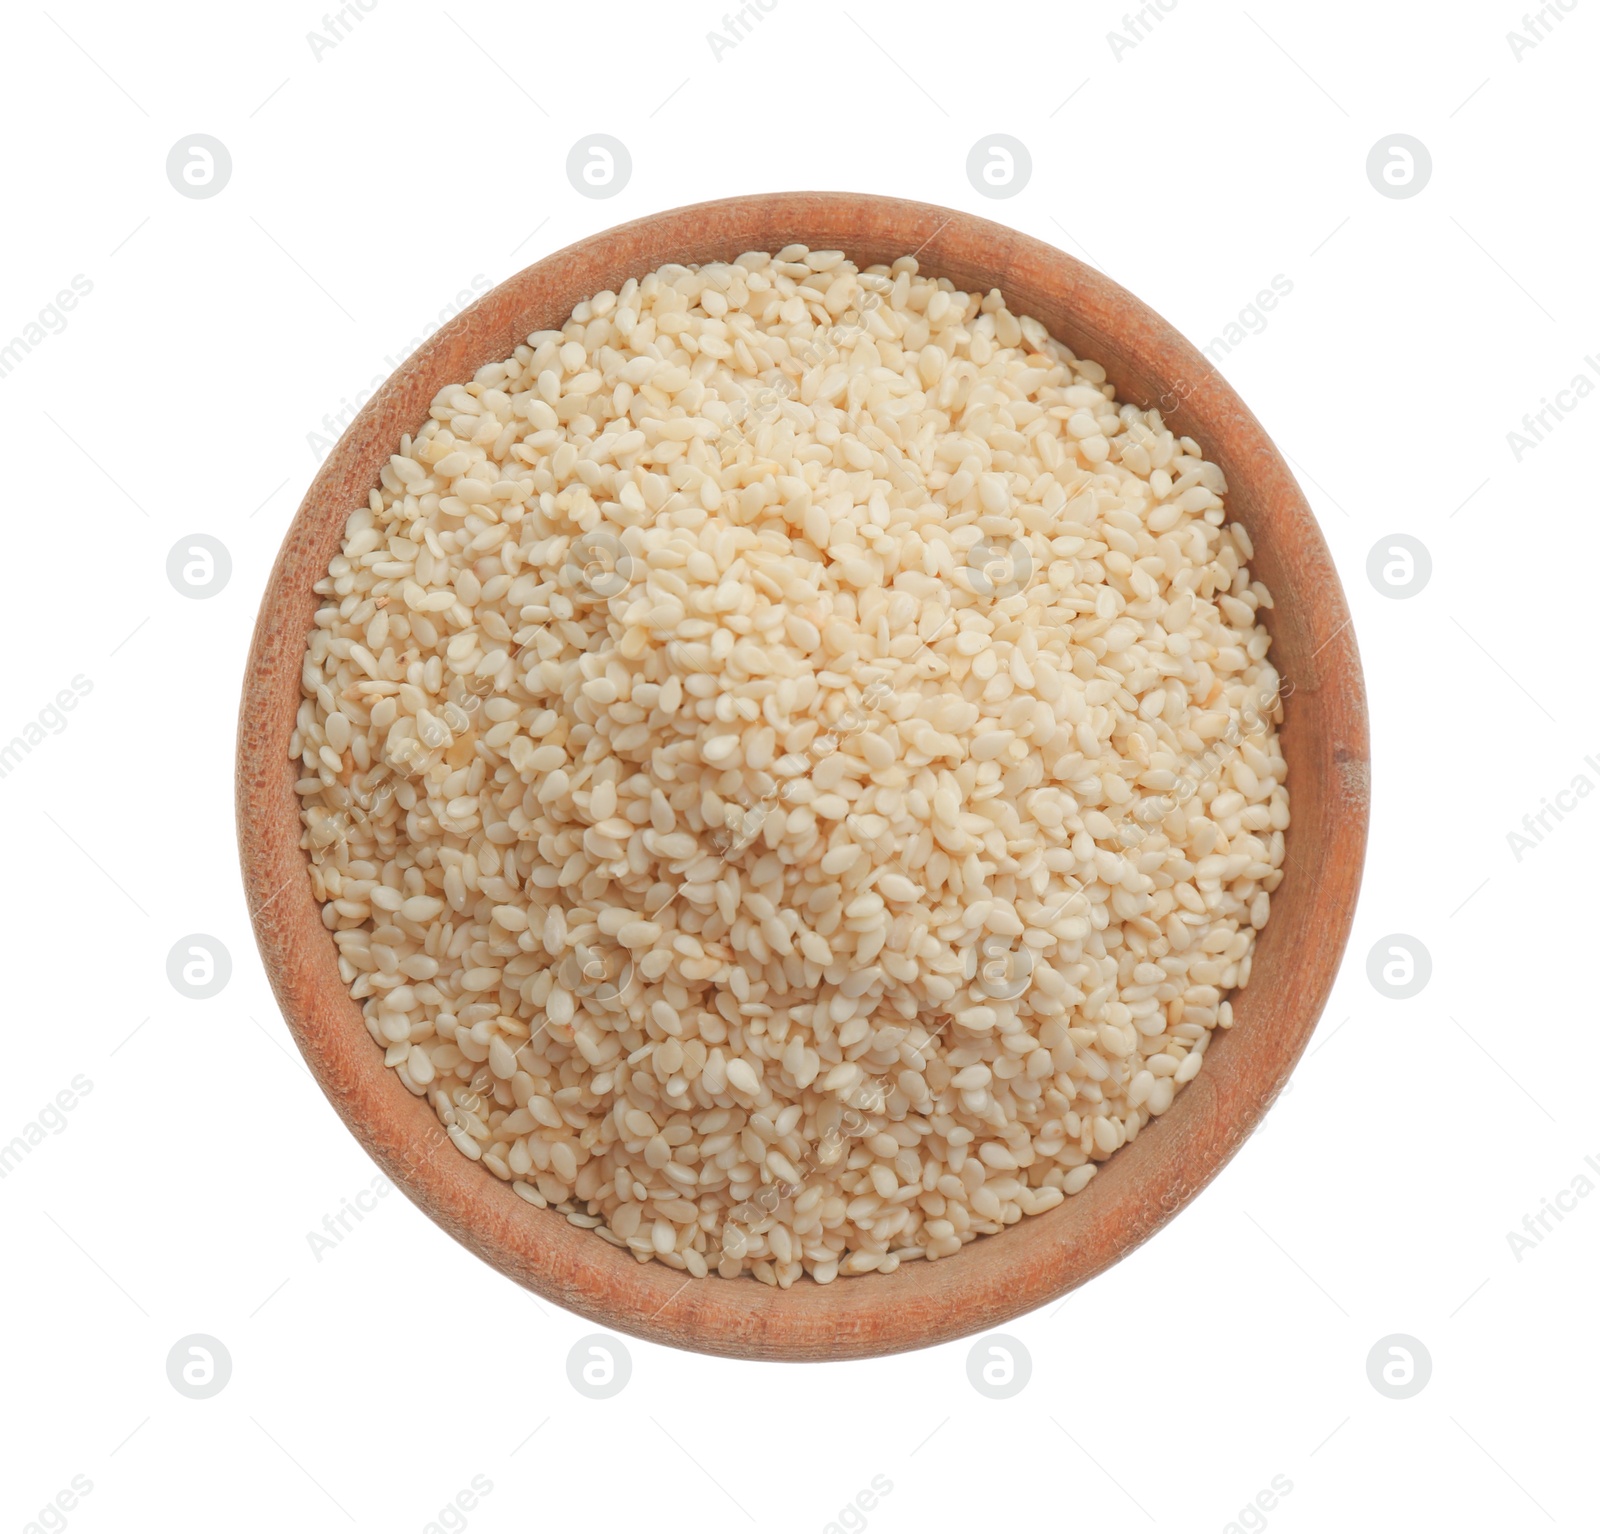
790	766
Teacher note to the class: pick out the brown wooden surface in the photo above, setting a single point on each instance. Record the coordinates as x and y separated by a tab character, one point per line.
1324	738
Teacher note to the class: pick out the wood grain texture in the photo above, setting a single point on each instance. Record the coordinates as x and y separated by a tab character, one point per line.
1324	738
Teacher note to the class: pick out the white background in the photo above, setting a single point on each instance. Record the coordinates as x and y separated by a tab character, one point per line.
369	187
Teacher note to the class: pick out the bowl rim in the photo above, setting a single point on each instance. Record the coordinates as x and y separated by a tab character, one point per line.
1000	1276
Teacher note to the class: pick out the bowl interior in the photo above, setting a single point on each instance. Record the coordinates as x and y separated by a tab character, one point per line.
1323	736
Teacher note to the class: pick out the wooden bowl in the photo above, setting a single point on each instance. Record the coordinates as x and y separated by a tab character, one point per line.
1324	738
